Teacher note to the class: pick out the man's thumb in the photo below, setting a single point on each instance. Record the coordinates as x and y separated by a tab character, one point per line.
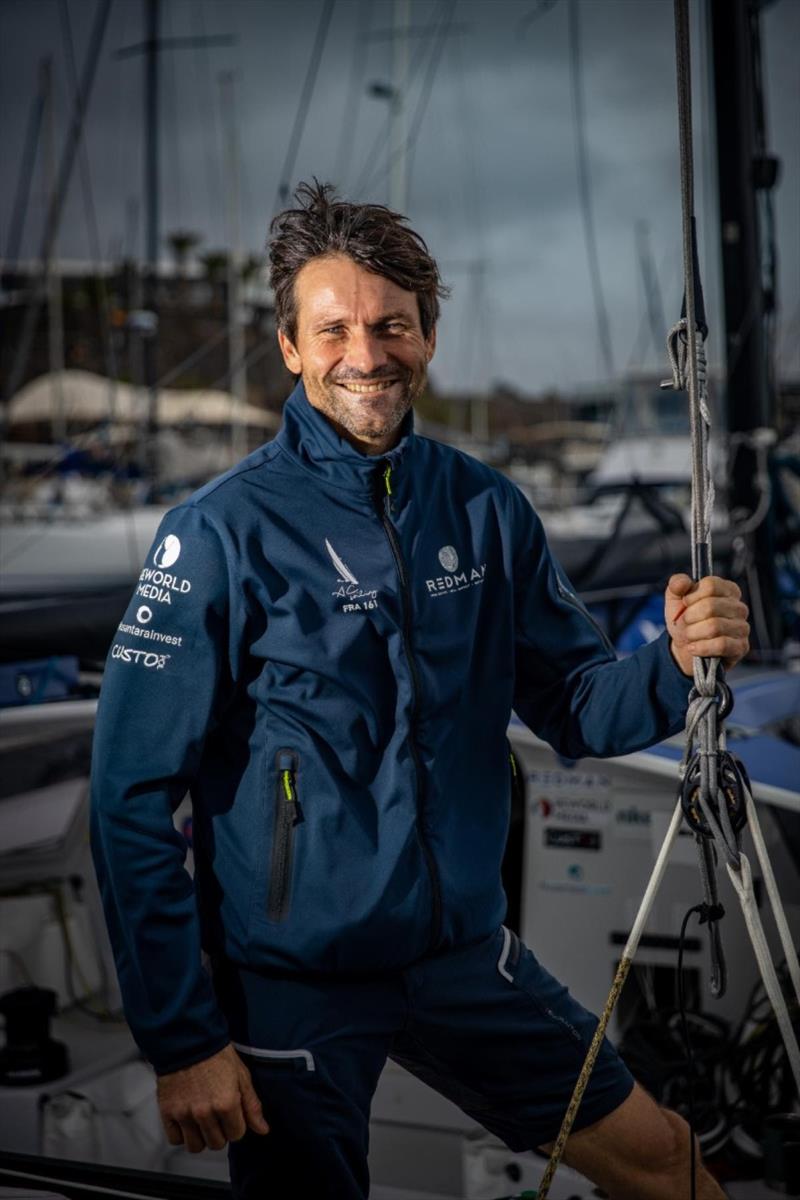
680	585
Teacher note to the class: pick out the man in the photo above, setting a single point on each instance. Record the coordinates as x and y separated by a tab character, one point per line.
325	647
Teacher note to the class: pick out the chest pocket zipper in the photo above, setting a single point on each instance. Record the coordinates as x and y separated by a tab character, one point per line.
287	815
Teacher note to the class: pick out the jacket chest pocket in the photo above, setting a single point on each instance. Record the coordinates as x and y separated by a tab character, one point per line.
287	816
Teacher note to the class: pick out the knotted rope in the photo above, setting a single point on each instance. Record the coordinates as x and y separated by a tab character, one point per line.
715	796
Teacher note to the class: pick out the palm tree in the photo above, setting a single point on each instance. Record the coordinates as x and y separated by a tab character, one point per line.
182	242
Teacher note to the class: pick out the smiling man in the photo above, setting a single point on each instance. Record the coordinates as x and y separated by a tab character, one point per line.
360	350
352	614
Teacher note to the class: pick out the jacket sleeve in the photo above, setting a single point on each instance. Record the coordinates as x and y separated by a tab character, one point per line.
171	664
570	688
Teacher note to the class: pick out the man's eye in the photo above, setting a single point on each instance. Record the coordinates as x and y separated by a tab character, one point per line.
395	327
333	329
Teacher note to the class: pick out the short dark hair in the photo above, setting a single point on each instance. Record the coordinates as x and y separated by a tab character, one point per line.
372	235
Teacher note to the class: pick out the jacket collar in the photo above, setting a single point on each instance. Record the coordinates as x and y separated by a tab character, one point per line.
309	437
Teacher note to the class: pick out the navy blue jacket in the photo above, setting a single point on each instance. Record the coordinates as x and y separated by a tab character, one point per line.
325	649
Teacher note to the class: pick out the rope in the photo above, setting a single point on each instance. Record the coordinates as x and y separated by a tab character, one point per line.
706	767
768	875
714	793
742	881
621	975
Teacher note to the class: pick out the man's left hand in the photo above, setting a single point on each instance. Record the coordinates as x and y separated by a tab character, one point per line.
706	619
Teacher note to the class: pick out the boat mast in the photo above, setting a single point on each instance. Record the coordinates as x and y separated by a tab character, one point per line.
237	368
152	196
55	323
743	168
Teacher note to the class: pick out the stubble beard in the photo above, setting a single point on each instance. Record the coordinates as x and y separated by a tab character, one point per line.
363	424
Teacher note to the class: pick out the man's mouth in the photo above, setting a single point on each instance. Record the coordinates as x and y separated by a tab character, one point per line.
367	389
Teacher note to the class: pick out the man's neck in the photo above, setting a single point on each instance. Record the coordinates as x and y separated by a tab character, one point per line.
373	447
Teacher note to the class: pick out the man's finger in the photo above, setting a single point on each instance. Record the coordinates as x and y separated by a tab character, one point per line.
211	1131
723	607
681	585
726	648
253	1112
233	1122
173	1132
713	585
715	627
192	1137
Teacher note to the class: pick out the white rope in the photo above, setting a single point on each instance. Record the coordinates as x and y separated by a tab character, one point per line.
787	941
742	881
657	874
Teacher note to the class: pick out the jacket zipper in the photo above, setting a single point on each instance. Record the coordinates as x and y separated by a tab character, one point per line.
384	512
286	817
575	603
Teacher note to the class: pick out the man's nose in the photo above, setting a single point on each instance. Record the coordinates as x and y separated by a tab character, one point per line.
365	351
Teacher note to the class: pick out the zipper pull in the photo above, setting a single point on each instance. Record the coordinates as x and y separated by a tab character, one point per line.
286	770
387	485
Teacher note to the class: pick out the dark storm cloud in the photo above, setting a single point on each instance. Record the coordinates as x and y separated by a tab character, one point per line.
494	183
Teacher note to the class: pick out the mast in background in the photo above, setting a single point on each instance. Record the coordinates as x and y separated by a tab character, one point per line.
744	168
237	368
152	192
55	316
151	47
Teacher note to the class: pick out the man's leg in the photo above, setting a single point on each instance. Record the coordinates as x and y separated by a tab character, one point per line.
639	1152
314	1049
493	1031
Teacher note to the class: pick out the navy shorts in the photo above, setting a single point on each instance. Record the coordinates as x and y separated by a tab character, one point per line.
485	1025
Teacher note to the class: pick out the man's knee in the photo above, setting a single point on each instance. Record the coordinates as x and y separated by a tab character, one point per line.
634	1147
677	1144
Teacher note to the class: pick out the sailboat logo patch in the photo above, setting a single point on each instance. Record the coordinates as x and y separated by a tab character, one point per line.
345	574
354	598
168	551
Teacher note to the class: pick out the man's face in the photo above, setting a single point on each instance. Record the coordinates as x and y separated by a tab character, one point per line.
359	347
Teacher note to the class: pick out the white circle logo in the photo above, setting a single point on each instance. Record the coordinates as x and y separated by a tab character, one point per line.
448	558
168	551
144	614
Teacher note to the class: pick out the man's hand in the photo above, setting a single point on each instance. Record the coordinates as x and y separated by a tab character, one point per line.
210	1103
706	619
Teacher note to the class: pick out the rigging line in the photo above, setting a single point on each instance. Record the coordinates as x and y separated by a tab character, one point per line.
422	100
541	8
202	67
55	210
170	119
287	171
248	359
427	86
646	330
347	139
701	558
386	126
584	188
381	138
483	341
119	116
22	197
92	229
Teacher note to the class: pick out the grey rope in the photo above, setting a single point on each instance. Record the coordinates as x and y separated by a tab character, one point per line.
705	736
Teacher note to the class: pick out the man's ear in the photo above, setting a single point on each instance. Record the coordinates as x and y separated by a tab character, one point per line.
289	352
430	342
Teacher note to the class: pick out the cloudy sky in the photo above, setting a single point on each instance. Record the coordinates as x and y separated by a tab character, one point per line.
492	176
